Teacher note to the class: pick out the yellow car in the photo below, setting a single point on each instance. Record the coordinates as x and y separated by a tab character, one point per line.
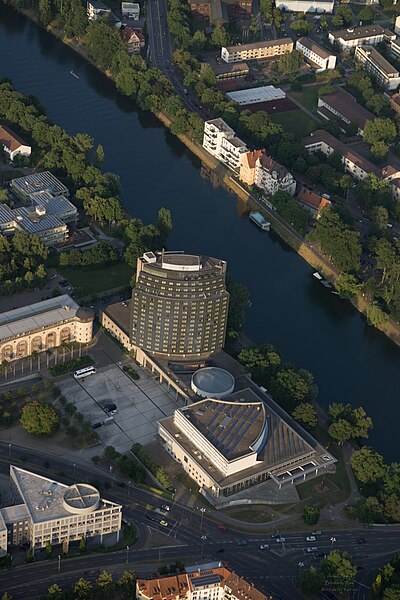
164	523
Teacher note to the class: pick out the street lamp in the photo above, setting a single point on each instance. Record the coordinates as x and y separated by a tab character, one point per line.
202	510
129	489
9	450
59	563
127	554
333	540
203	539
74	465
300	565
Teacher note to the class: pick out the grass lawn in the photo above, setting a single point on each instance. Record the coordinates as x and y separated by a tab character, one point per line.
87	282
257	514
308	96
296	122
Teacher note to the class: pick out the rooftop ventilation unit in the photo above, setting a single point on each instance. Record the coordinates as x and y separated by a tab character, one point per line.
149	257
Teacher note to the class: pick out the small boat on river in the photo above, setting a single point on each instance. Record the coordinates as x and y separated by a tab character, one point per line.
74	74
324	282
259	220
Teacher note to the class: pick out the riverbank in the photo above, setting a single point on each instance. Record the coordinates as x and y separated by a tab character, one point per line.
225	176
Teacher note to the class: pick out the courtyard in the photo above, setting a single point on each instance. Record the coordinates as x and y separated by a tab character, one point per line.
140	404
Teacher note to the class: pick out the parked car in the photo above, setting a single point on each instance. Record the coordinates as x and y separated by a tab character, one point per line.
164	523
312	549
361	540
264	547
219	550
109	407
280	540
311	538
242	543
96	425
223	528
275	536
316	532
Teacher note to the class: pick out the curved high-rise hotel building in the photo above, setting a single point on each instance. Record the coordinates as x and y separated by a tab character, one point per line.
179	306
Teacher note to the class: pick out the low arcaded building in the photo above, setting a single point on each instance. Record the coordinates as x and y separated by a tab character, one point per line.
43	325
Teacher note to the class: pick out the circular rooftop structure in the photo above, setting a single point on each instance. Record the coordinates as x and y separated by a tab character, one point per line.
212	382
81	498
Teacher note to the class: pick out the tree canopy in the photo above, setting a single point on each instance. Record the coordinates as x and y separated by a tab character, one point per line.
39	418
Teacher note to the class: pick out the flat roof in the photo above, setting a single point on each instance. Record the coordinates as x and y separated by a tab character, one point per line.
254	45
224	67
213	380
175	261
120	314
43	497
37	316
264	93
37	182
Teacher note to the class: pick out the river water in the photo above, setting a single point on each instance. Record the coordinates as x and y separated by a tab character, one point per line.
312	328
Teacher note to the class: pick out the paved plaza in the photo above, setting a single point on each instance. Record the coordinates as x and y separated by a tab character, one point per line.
140	404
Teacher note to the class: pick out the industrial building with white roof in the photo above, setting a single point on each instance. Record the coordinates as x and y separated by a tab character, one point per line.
46	511
265	93
43	325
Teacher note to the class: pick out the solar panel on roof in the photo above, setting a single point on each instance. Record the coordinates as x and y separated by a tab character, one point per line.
205	580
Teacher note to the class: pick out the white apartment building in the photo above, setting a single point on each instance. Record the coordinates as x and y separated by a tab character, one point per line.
257	168
210	581
318	57
12	144
130	10
397	25
96	9
343	106
47	511
307	6
221	141
378	67
370	35
256	50
394	48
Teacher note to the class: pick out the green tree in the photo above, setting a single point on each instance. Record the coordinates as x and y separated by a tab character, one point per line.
267	9
105	585
338	241
45	11
380	218
368	465
82	543
375	315
310	514
301	26
380	130
348	285
343	16
366	15
290	62
341	431
239	301
220	36
306	413
290	388
311	581
164	224
340	571
48	550
126	584
55	593
82	589
38	418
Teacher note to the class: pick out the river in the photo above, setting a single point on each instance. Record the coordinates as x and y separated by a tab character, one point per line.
313	329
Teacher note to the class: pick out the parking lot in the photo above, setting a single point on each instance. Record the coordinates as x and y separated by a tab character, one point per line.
140	404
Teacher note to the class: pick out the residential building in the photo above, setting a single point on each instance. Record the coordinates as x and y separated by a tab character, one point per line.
226	72
132	40
392	174
220	11
394	48
354	164
378	67
257	50
12	144
370	35
257	168
45	181
306	6
221	141
312	201
49	512
345	108
130	10
179	304
96	9
397	25
395	102
211	581
319	58
265	93
43	325
232	444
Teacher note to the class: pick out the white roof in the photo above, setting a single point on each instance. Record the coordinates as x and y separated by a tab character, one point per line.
259	94
36	316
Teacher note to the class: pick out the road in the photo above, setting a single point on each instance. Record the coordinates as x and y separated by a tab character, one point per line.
161	51
275	569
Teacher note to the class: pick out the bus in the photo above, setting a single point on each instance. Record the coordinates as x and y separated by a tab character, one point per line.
84	372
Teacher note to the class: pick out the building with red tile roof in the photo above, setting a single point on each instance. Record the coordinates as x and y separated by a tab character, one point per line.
12	143
312	201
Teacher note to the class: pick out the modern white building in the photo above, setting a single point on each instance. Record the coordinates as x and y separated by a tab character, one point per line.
318	57
378	67
307	6
96	9
261	170
210	581
12	144
43	325
257	50
397	25
394	48
370	35
44	181
228	445
221	141
46	511
265	93
130	10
